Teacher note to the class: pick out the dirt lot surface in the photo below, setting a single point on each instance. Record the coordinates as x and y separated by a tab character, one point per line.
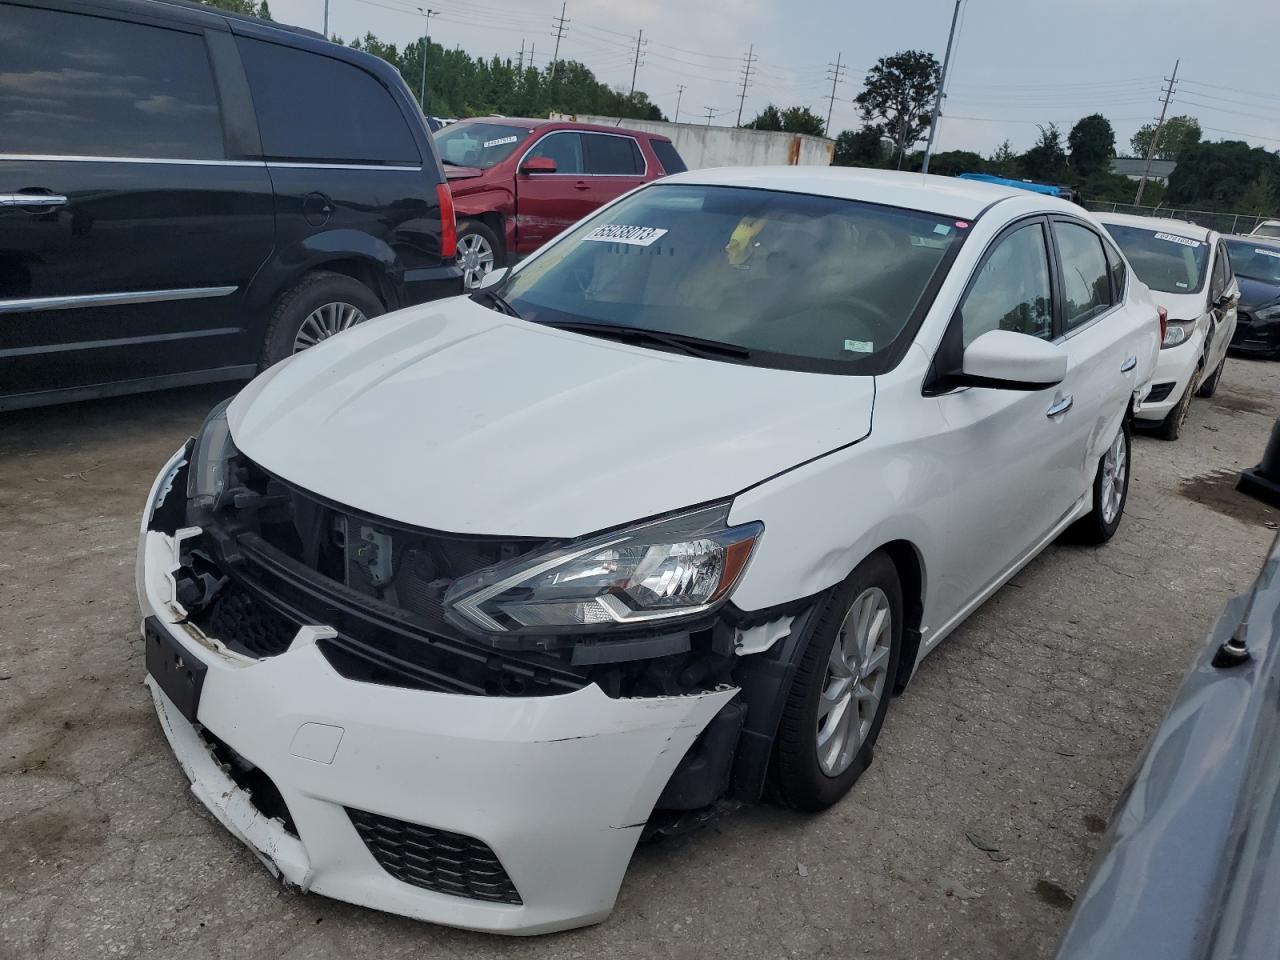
967	838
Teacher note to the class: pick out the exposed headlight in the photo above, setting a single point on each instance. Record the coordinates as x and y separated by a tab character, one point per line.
1178	331
214	451
1268	313
676	567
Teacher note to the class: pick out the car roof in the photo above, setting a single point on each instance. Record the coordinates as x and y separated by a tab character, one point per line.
947	196
191	11
1179	228
537	123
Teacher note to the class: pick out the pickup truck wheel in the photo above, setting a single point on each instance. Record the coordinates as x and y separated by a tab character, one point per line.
321	305
840	694
479	251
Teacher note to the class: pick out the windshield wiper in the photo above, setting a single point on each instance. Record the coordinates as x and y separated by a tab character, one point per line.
693	346
498	302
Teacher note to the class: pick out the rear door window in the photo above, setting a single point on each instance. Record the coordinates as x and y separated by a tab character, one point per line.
1086	282
668	156
74	85
565	148
612	156
315	108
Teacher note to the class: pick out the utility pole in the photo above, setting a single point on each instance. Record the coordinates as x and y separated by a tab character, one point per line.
326	19
836	77
521	67
426	45
560	22
1155	137
942	90
635	63
751	58
711	112
679	97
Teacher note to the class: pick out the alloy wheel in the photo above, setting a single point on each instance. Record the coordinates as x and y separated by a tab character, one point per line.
1115	464
475	255
855	682
324	322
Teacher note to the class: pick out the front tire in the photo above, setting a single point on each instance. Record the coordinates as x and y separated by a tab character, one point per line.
1210	386
1110	492
1171	426
840	694
321	305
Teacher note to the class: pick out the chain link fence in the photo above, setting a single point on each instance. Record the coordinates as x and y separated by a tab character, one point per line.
1222	222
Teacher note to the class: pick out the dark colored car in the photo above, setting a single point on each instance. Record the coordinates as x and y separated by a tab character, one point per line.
188	195
517	182
1257	264
1188	869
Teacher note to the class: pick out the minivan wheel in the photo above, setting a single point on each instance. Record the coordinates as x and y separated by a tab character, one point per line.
320	306
479	252
1110	492
840	695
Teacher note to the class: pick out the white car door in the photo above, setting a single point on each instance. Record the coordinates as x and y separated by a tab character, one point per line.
1102	340
1009	481
1224	294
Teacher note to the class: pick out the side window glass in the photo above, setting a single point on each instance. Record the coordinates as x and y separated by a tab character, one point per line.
313	107
1086	287
1221	272
75	85
564	148
612	156
1118	273
1011	291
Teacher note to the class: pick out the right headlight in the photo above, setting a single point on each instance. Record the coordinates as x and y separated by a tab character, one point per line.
211	459
1268	313
677	567
1178	331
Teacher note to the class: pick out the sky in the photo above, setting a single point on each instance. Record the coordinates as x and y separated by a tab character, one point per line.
1016	63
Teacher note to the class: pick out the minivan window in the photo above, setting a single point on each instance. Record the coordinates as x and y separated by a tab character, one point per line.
1165	262
481	145
1086	285
782	277
608	155
75	85
313	107
668	156
1256	261
564	148
1011	291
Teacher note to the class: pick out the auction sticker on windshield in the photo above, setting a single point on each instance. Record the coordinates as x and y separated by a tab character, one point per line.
1267	253
622	233
1186	242
499	142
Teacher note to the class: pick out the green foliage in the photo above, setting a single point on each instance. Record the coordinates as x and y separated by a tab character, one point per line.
1260	198
859	148
1003	162
951	163
1176	137
1046	162
770	118
1219	176
802	120
1093	144
898	95
242	6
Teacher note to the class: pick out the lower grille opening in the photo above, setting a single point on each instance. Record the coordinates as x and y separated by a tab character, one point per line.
436	860
245	625
1160	392
263	793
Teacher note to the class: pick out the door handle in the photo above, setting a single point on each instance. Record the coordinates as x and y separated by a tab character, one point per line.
1128	364
581	186
1060	406
32	200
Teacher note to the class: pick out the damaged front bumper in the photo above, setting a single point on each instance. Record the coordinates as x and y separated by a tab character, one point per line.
534	803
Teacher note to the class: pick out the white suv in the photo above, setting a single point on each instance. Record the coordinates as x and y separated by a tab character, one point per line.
444	613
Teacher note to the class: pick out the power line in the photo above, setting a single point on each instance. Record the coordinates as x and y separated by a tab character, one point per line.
746	78
1170	83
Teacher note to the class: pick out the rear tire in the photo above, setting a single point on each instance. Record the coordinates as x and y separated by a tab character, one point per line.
326	303
479	252
807	772
1171	426
1110	492
1210	386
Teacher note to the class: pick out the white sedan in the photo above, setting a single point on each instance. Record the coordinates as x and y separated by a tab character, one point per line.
443	614
1188	271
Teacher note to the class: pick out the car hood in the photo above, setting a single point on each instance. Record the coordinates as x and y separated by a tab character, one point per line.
1181	306
454	417
1256	293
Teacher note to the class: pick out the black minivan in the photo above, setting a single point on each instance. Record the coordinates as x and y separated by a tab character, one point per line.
188	195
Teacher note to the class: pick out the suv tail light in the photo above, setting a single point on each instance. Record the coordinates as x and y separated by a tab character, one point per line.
1164	321
449	224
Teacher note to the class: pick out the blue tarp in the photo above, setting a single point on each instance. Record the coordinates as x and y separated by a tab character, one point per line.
1020	184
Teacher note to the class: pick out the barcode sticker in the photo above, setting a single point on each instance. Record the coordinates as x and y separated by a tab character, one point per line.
622	233
1172	238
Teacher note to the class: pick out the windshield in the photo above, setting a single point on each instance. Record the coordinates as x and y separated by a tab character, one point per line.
1255	261
1268	230
478	144
786	277
1163	261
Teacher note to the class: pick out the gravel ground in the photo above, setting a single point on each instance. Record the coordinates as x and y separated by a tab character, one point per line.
967	838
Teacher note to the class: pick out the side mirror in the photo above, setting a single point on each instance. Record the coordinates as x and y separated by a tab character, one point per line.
1006	360
538	165
491	279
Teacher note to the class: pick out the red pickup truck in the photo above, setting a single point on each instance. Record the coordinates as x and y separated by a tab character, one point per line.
517	183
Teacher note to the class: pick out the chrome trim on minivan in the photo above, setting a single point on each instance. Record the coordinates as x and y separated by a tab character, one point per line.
111	299
308	165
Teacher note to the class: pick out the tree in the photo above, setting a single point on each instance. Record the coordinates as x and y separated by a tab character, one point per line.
954	162
1259	199
770	118
1093	144
264	11
898	95
1219	176
235	6
802	120
1046	161
858	148
1003	161
1176	136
